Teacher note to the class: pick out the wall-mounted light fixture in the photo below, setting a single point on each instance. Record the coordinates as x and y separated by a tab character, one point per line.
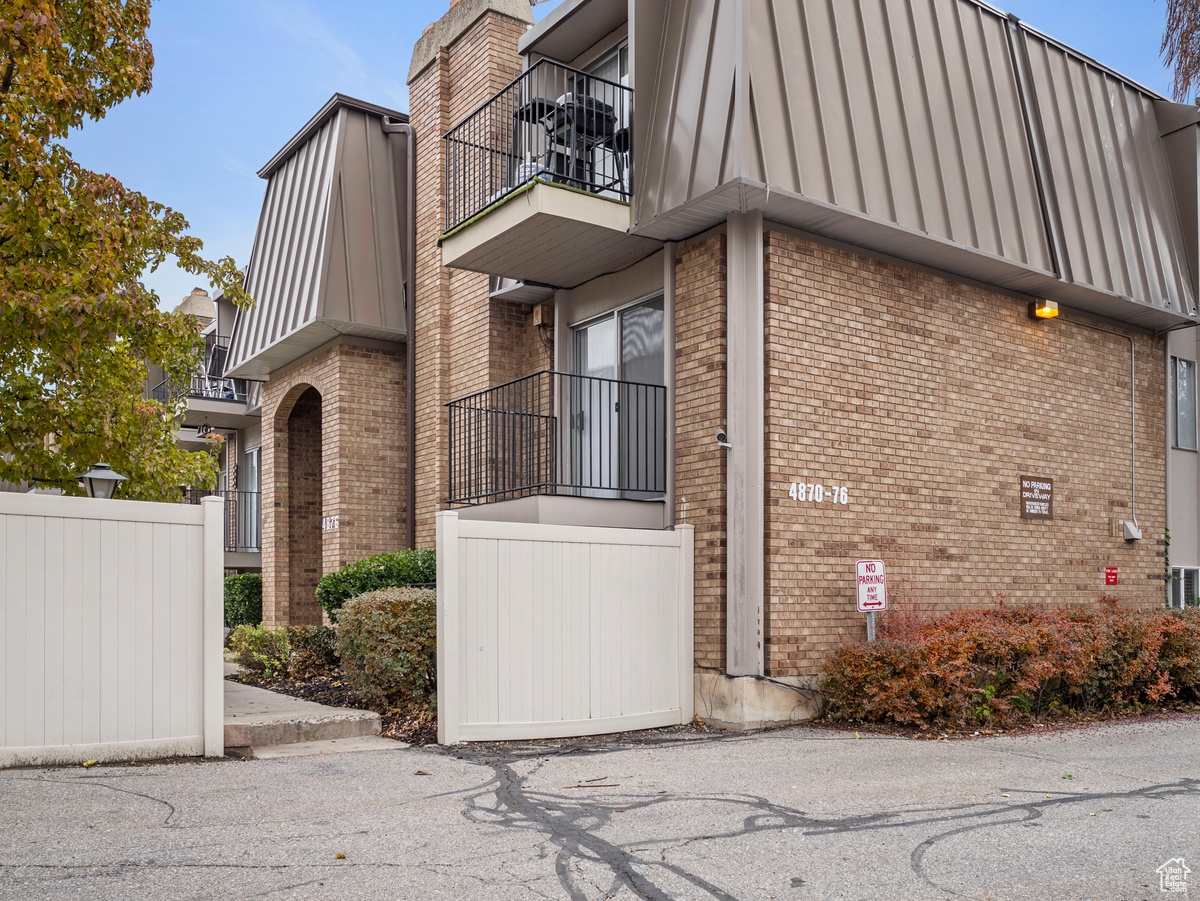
1043	309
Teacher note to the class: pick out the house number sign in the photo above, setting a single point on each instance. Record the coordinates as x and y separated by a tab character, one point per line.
329	523
807	492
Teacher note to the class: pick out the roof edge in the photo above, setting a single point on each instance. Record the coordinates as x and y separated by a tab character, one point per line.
335	103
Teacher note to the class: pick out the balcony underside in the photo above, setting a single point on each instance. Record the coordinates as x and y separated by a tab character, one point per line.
573	511
243	560
547	234
219	414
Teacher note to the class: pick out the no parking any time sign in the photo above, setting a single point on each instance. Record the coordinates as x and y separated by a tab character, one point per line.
872	586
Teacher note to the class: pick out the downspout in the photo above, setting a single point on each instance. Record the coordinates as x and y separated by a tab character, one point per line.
1132	415
410	325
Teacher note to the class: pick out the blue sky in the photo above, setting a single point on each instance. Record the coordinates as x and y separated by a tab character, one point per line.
234	79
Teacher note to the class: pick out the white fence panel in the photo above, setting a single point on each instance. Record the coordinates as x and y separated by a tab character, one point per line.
550	631
110	629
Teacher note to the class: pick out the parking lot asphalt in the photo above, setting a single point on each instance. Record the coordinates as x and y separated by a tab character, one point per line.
799	813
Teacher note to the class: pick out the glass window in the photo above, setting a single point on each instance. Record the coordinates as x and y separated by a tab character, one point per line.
1183	403
1185	586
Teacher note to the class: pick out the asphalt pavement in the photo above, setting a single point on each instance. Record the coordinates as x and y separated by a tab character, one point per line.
800	813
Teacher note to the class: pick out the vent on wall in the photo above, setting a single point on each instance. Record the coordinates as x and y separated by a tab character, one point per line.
1185	584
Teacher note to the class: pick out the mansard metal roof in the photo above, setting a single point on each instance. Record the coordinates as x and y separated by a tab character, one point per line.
939	131
328	255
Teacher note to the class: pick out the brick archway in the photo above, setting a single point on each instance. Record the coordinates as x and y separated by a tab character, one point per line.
293	494
342	411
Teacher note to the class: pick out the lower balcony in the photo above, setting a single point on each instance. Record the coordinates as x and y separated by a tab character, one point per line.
243	525
561	448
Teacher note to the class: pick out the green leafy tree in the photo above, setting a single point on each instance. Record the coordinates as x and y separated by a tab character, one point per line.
1181	46
77	326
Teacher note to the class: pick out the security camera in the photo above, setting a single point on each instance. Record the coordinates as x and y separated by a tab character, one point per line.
723	439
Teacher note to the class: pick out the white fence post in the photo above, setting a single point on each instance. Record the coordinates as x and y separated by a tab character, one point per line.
448	662
214	619
687	635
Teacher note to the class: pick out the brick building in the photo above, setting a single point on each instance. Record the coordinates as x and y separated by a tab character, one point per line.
816	230
819	228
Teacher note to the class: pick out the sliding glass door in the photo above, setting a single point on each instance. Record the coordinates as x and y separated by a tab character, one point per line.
617	411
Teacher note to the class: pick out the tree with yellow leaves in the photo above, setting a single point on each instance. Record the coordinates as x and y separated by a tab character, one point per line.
77	326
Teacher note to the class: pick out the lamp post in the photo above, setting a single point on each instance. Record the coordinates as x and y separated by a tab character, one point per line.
100	481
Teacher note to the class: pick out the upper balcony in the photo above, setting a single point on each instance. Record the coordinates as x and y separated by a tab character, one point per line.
539	180
212	398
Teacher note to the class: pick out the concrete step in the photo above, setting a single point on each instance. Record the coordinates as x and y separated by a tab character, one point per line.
256	719
333	746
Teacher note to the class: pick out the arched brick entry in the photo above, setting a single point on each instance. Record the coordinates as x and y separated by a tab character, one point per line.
293	497
333	451
304	508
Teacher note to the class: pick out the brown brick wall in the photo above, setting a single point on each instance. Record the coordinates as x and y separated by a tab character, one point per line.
362	471
463	342
699	412
928	399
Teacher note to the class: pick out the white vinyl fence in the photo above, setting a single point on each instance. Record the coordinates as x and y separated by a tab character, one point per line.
551	631
110	629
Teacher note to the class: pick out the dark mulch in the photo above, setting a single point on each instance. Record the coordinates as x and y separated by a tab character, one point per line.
412	724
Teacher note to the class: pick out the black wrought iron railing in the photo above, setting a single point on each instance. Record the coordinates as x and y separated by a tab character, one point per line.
557	433
210	382
243	517
553	123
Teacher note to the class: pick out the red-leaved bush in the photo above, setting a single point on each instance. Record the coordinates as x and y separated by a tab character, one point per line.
1007	664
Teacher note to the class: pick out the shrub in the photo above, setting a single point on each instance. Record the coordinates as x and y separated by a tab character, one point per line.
243	600
388	644
260	650
405	568
313	651
1007	664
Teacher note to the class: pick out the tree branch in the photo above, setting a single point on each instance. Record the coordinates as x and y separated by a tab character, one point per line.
9	71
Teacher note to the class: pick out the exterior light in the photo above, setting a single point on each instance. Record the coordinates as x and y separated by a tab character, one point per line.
1043	309
100	481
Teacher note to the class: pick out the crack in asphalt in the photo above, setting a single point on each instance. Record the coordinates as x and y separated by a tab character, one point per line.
94	783
573	824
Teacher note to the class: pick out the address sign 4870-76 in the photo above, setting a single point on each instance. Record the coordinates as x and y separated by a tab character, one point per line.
819	494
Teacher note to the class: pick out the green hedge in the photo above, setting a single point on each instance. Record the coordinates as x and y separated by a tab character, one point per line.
387	640
298	652
243	600
399	570
262	651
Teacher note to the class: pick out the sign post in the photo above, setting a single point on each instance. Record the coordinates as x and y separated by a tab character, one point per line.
871	581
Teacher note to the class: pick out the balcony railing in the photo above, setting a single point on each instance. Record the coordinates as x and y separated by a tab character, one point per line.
210	383
556	433
243	517
206	388
552	123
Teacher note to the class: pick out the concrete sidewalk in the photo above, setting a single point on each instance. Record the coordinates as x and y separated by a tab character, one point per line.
804	813
262	723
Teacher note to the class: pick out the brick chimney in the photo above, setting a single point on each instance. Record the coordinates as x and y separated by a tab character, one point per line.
459	62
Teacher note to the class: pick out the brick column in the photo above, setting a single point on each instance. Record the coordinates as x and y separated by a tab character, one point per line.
461	343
